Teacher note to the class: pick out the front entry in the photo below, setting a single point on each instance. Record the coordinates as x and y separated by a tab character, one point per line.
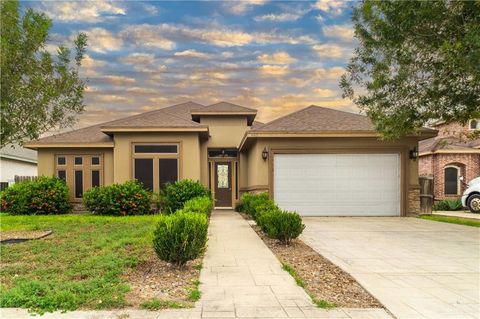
223	184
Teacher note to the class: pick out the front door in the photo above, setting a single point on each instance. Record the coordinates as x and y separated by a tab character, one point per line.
223	184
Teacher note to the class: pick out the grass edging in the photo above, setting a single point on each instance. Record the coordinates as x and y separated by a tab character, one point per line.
451	220
320	303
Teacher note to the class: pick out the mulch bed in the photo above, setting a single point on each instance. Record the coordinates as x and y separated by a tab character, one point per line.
18	236
323	279
155	278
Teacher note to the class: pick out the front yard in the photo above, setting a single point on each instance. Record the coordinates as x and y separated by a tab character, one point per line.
90	262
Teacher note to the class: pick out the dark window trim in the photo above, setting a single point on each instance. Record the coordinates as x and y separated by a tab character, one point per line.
135	145
91	160
64	158
75	160
75	183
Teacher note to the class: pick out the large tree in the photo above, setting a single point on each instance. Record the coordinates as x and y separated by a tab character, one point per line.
416	61
39	91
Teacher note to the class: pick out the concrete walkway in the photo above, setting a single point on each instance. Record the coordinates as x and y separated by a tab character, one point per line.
241	278
416	268
461	214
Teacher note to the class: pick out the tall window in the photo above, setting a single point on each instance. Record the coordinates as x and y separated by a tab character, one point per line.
452	173
474	125
155	165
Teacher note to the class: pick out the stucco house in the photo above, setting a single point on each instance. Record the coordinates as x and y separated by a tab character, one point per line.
450	155
317	161
16	161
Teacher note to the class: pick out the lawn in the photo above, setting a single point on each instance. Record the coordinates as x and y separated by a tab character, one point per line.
83	264
452	220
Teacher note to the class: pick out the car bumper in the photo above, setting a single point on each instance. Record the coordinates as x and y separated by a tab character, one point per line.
464	200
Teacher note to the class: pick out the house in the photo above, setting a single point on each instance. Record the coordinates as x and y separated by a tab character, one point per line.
16	161
317	161
450	155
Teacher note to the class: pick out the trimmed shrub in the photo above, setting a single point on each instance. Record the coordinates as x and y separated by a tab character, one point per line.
181	237
448	204
281	225
42	196
174	196
253	204
129	198
239	207
202	204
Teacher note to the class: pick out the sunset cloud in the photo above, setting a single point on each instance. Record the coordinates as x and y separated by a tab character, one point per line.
324	92
344	32
273	69
332	51
82	11
119	80
192	53
101	40
240	7
276	58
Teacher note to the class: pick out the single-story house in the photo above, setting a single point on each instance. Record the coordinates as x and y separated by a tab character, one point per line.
16	161
317	161
451	154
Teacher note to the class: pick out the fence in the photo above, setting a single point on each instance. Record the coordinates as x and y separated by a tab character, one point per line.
426	195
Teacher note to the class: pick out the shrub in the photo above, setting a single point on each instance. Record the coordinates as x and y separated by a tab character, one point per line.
181	237
239	207
281	225
448	204
253	204
129	198
202	204
42	196
174	196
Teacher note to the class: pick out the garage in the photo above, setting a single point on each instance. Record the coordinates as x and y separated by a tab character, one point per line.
338	184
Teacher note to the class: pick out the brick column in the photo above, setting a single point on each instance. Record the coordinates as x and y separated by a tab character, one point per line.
413	208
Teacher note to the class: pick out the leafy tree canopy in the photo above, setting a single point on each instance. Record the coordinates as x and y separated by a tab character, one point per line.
416	61
39	91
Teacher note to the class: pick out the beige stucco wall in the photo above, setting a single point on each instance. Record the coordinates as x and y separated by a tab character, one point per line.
189	158
46	160
259	175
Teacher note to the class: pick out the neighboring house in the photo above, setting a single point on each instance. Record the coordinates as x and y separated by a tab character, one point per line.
16	160
317	161
450	155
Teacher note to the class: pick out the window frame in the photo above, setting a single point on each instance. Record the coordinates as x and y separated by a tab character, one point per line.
57	157
156	157
477	126
75	162
458	181
99	160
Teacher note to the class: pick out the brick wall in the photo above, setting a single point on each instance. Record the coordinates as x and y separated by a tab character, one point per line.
413	201
452	129
434	165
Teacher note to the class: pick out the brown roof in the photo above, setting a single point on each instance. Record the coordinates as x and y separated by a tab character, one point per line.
90	134
257	124
224	107
447	143
318	119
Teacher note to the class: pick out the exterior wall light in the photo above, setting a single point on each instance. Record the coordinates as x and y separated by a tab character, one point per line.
265	153
413	154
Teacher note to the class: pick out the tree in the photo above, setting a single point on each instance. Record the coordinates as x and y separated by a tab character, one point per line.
416	61
39	91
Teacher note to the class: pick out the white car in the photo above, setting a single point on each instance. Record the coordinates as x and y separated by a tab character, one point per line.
471	196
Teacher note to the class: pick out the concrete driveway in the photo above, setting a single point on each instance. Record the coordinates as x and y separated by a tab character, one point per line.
416	268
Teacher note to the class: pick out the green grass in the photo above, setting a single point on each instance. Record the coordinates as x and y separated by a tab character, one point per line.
157	304
78	266
318	302
195	294
452	220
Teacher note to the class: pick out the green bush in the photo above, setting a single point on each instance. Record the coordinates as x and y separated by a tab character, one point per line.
448	204
281	225
181	237
254	204
42	196
174	196
239	207
129	198
201	204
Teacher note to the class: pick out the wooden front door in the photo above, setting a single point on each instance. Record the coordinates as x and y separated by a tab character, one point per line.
223	184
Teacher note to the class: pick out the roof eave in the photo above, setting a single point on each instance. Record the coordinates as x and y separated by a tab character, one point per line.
18	158
35	145
108	130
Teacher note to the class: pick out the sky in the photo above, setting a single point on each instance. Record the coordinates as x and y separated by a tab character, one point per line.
274	56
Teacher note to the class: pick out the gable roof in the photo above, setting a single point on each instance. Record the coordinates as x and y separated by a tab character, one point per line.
448	145
318	119
225	108
18	153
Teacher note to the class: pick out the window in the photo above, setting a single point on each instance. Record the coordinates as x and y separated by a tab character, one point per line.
168	171
78	160
474	125
236	180
95	160
95	178
451	180
144	172
78	184
62	174
222	152
222	176
156	148
61	160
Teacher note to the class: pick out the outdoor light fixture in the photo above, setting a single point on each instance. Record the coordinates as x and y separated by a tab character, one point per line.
223	152
265	153
413	154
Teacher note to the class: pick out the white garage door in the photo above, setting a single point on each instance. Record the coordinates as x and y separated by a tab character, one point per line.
338	184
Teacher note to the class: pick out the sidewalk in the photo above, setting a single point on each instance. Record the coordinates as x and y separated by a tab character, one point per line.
460	213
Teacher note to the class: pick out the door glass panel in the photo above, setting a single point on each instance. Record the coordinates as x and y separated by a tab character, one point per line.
222	176
95	178
78	184
168	171
144	172
62	175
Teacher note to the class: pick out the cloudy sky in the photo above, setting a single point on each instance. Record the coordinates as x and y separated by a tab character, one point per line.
274	56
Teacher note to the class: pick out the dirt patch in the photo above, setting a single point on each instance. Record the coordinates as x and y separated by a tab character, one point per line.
157	279
322	279
14	236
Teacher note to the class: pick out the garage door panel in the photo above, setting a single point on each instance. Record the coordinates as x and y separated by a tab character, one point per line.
338	184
